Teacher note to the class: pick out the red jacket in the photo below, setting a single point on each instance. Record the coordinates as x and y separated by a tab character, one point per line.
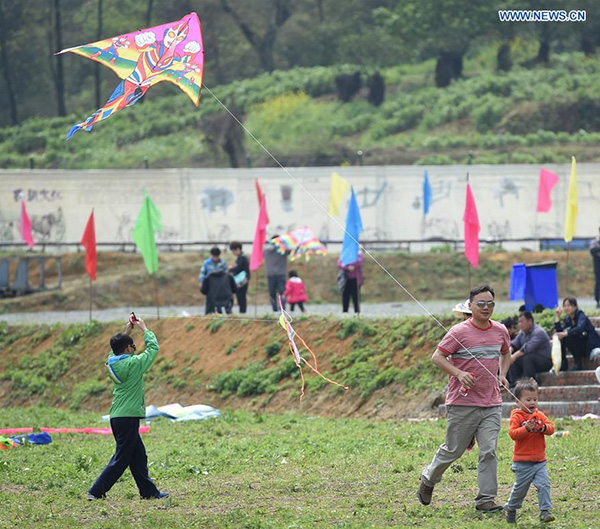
529	446
295	291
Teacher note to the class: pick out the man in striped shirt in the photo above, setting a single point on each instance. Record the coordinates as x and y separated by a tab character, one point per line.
475	355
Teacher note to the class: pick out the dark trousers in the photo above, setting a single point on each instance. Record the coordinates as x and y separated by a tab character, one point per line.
299	303
211	308
527	366
130	452
350	291
597	278
577	344
276	287
241	297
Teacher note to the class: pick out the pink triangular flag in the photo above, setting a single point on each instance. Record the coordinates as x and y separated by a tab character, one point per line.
260	236
547	182
260	195
471	220
26	226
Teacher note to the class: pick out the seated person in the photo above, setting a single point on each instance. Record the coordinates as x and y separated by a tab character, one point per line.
530	350
575	333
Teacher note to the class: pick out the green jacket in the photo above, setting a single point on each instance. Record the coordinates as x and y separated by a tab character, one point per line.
127	373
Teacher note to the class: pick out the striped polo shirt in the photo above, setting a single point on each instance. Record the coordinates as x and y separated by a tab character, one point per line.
470	348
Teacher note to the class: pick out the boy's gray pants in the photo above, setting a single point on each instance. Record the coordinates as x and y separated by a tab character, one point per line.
527	473
464	423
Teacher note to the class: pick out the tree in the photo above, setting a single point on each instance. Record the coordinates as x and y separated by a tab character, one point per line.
5	26
59	77
278	13
442	29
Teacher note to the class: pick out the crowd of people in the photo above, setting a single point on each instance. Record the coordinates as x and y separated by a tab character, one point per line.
220	282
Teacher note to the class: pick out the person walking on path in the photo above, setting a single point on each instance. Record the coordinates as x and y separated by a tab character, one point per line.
595	251
354	279
527	428
295	292
126	369
531	350
475	355
241	265
276	270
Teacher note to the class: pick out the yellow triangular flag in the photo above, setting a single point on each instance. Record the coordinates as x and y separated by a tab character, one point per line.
339	187
571	214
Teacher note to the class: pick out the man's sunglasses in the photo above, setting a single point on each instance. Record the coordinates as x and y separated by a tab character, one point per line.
133	346
482	304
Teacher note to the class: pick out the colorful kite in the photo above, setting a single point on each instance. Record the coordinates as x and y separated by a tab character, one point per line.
285	321
171	52
299	242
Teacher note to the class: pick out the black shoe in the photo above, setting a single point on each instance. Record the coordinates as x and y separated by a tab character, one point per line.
489	506
91	497
424	493
157	496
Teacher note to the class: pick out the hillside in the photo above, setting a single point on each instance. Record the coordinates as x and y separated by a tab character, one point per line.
122	279
233	363
539	115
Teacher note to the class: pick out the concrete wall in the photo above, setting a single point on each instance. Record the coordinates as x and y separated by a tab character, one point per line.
221	204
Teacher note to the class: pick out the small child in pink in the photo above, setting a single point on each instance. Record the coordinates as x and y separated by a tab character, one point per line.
295	293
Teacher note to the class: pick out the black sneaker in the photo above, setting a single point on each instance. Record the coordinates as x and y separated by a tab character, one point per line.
511	516
157	496
91	497
546	516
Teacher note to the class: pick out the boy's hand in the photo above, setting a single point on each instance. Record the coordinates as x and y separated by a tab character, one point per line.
140	323
530	425
128	327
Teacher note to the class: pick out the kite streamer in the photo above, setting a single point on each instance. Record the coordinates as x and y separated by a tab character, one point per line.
285	321
299	242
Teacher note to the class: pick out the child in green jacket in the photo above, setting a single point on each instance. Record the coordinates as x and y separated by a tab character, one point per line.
126	369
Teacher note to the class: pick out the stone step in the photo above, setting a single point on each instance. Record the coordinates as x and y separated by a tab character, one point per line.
567	378
556	409
559	409
562	393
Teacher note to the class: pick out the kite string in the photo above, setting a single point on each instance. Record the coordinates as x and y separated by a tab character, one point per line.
299	184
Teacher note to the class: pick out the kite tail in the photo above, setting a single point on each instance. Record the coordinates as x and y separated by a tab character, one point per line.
73	130
314	368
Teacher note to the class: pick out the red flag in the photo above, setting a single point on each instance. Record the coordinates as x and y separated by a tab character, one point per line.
260	236
25	226
260	195
88	240
471	220
547	182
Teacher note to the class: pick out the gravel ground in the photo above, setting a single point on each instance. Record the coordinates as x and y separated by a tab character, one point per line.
369	310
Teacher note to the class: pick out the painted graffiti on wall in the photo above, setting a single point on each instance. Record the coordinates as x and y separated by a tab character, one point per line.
39	195
439	191
215	198
286	198
369	196
49	227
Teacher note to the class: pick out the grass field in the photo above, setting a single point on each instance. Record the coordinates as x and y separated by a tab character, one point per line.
279	471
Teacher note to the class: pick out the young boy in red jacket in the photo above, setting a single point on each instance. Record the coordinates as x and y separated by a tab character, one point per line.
527	428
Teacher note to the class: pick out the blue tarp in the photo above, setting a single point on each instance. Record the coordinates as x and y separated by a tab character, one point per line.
536	284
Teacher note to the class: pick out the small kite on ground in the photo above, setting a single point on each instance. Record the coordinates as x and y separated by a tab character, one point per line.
170	52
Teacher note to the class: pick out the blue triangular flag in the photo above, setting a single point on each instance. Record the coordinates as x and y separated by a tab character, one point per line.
353	228
426	194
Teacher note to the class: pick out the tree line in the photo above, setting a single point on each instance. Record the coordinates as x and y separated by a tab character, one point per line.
243	39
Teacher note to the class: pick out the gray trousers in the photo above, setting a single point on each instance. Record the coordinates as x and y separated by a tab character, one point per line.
527	473
464	423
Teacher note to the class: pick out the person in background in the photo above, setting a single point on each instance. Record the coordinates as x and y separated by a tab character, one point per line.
511	325
462	310
295	293
354	280
595	251
126	369
218	287
214	262
474	354
241	265
531	350
276	270
575	333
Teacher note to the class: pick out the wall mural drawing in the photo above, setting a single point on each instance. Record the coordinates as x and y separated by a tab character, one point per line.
215	198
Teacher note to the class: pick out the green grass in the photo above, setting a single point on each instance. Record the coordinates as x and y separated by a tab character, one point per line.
280	471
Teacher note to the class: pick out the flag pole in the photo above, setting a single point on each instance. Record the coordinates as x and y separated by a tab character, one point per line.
567	271
156	297
255	293
91	293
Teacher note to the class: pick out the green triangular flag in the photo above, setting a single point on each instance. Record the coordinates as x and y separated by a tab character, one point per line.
147	223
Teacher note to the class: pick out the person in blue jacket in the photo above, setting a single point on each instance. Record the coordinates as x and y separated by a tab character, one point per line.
576	333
